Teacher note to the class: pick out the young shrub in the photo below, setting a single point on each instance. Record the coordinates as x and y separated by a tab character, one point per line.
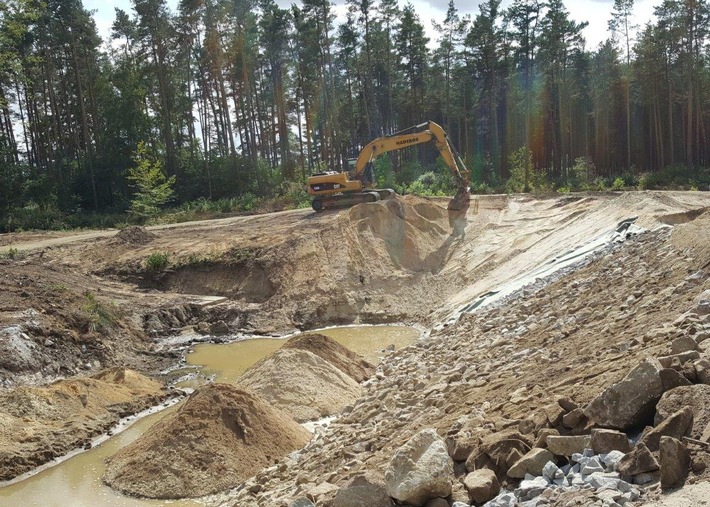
157	261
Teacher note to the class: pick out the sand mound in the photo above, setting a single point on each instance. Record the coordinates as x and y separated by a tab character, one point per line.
41	423
341	357
301	384
135	235
221	436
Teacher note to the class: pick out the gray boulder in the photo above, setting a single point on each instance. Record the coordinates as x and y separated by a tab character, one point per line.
605	441
629	402
482	485
675	462
677	425
363	491
419	470
568	445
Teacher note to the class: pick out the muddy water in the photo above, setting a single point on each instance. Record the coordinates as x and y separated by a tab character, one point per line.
227	362
77	481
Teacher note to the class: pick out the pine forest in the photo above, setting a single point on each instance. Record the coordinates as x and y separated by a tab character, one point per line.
235	101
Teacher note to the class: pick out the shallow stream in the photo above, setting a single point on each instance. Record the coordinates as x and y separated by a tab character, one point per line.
77	482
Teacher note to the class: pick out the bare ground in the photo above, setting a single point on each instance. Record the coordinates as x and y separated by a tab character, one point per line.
75	304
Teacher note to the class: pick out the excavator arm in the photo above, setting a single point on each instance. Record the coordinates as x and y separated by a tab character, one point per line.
418	134
356	188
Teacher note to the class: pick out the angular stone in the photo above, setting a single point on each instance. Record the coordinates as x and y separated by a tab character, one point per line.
532	463
574	418
554	414
363	491
677	425
675	461
671	378
638	461
419	470
482	485
604	441
542	436
592	466
629	402
567	403
696	397
703	307
437	502
501	451
612	458
683	344
568	445
667	361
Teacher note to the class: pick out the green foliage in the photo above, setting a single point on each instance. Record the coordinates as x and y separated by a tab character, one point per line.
618	184
157	261
384	175
521	169
153	188
100	316
674	177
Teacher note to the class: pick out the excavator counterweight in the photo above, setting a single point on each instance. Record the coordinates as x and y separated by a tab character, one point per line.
339	189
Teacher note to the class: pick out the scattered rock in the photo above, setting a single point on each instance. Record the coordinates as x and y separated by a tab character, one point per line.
568	445
532	463
482	485
604	441
671	378
629	402
683	344
574	418
542	436
682	358
675	462
677	425
419	470
638	461
363	491
697	397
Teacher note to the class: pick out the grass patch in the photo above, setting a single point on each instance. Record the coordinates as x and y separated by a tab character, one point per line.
100	316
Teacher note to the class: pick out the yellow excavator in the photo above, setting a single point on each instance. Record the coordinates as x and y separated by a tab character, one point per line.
333	189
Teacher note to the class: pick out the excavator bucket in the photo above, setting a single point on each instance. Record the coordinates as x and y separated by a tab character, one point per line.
460	200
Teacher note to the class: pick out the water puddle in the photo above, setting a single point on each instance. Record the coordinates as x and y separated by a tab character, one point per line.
77	480
226	362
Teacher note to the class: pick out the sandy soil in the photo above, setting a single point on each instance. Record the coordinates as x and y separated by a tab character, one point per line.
73	304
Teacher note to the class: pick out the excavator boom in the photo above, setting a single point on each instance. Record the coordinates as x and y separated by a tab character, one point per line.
334	189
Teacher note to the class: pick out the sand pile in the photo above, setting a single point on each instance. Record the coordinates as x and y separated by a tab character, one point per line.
221	436
328	349
301	384
38	424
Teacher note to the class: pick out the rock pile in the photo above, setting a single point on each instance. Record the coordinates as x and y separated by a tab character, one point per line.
523	391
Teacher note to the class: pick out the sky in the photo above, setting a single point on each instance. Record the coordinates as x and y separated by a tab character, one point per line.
596	12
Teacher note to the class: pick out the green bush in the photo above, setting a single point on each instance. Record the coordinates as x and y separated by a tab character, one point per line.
521	169
618	184
157	261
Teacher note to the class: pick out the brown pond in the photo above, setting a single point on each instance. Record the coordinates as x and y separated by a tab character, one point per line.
76	482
